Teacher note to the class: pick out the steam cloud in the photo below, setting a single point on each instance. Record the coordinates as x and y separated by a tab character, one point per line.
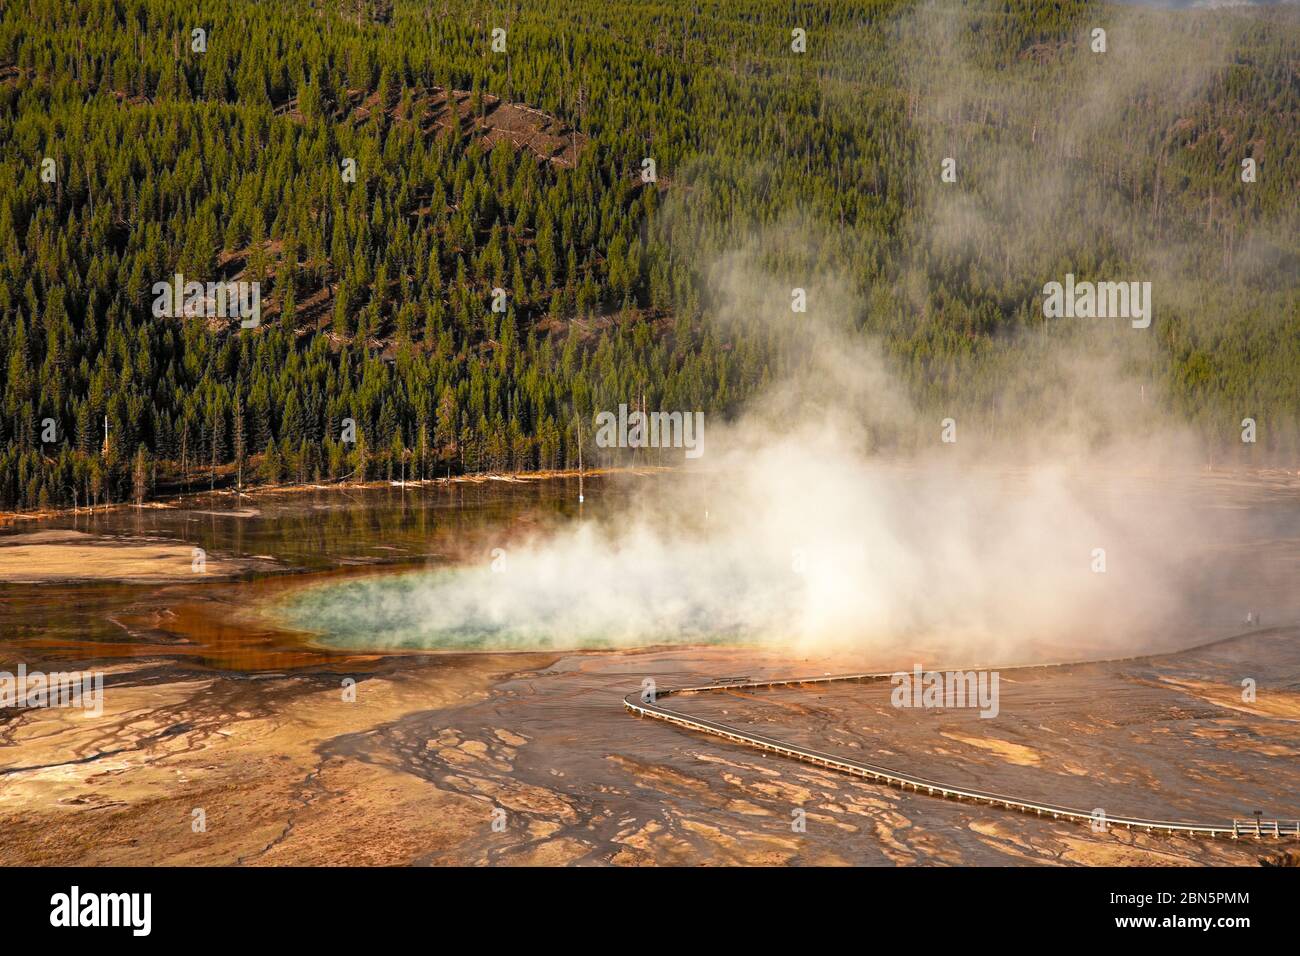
830	518
794	531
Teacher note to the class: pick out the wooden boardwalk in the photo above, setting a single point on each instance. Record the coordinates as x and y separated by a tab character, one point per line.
642	706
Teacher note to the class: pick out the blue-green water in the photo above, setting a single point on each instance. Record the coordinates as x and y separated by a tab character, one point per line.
877	557
478	610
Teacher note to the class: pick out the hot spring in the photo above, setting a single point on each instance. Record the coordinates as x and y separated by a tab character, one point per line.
992	565
525	608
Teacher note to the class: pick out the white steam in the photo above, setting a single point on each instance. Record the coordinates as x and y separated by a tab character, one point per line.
791	532
831	517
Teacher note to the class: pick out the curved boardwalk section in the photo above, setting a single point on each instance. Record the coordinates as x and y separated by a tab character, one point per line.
653	708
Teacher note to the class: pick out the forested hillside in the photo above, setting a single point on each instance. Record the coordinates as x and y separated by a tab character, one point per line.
380	169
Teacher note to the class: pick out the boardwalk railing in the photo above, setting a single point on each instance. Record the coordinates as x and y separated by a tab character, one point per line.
644	707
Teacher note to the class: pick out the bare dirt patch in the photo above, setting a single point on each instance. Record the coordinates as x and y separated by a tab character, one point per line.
60	556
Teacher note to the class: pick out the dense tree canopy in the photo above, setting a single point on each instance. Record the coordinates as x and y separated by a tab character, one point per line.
135	148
